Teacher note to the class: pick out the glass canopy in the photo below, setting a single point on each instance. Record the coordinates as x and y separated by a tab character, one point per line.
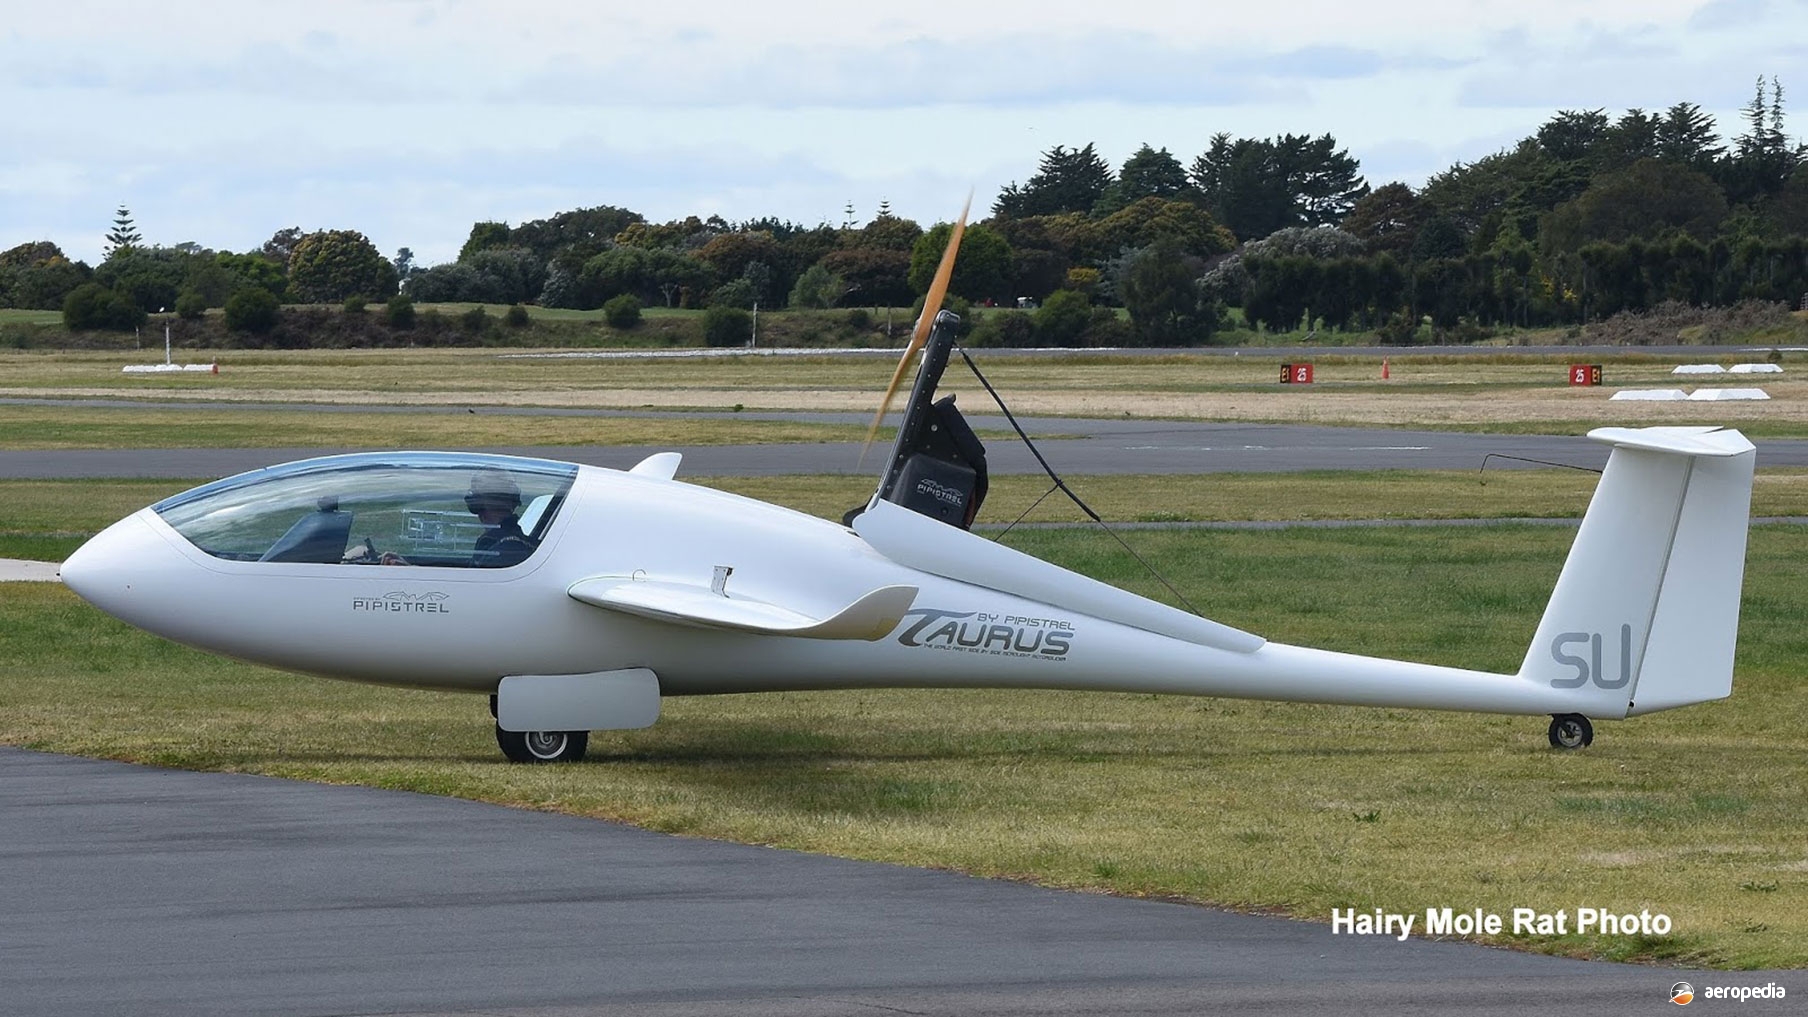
440	509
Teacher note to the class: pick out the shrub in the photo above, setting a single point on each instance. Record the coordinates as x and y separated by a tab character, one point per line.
190	305
252	309
92	305
1063	317
859	317
727	326
355	305
1013	329
399	312
622	311
516	317
475	320
735	293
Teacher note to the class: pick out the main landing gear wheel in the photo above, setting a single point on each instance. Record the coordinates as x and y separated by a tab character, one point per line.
543	746
540	746
1571	731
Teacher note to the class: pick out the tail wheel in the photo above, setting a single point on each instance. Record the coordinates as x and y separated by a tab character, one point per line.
543	746
1571	731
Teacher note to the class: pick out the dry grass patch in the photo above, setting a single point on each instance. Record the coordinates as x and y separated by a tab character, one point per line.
1472	391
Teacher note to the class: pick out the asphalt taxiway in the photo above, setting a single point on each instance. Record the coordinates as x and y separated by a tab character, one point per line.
1081	447
131	889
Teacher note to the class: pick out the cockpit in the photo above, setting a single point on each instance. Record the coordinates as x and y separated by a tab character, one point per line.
436	509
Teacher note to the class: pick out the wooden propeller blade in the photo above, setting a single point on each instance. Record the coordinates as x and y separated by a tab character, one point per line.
932	305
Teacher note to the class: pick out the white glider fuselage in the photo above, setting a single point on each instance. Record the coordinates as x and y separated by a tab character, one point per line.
701	588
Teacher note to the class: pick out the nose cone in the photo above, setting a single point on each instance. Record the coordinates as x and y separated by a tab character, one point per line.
113	570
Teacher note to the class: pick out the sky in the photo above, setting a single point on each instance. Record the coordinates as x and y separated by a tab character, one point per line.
223	121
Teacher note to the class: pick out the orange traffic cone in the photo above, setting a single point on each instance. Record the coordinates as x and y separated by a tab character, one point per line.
1383	368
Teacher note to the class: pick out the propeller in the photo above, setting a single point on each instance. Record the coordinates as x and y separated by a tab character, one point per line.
932	305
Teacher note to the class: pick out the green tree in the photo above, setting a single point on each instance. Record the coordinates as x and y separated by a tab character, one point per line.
1160	290
44	285
1439	238
1786	212
29	254
504	275
208	280
93	306
1522	182
875	276
656	276
1762	158
190	306
124	235
1256	187
1686	135
887	233
580	233
1063	317
280	246
484	235
252	309
1633	137
151	276
1068	180
1645	200
817	288
1387	219
1574	135
729	254
1148	220
255	269
1148	173
330	265
981	271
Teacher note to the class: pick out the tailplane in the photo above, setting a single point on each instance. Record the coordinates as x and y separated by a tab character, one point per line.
1646	611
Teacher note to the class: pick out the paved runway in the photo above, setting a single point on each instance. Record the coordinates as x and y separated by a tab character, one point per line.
132	890
1111	446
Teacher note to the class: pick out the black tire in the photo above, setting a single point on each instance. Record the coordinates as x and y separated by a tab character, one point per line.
542	746
1571	731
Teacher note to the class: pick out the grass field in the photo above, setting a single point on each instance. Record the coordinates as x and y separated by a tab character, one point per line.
1507	392
1265	806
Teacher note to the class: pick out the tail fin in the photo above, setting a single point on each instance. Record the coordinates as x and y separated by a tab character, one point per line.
1646	610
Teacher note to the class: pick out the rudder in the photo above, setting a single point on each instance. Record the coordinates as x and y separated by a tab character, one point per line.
1645	612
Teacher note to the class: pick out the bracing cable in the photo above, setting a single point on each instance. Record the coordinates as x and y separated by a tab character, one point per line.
1061	485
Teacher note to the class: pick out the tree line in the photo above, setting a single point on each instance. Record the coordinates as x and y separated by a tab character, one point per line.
1590	215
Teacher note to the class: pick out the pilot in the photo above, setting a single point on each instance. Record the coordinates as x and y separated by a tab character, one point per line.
495	500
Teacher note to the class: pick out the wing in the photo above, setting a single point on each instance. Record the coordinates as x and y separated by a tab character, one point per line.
871	617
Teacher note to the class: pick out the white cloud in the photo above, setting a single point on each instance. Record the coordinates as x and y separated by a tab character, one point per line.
410	119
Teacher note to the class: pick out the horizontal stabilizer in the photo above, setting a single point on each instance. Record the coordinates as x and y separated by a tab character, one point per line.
1688	441
871	617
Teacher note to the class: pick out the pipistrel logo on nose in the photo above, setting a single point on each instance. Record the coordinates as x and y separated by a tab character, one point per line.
1682	994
